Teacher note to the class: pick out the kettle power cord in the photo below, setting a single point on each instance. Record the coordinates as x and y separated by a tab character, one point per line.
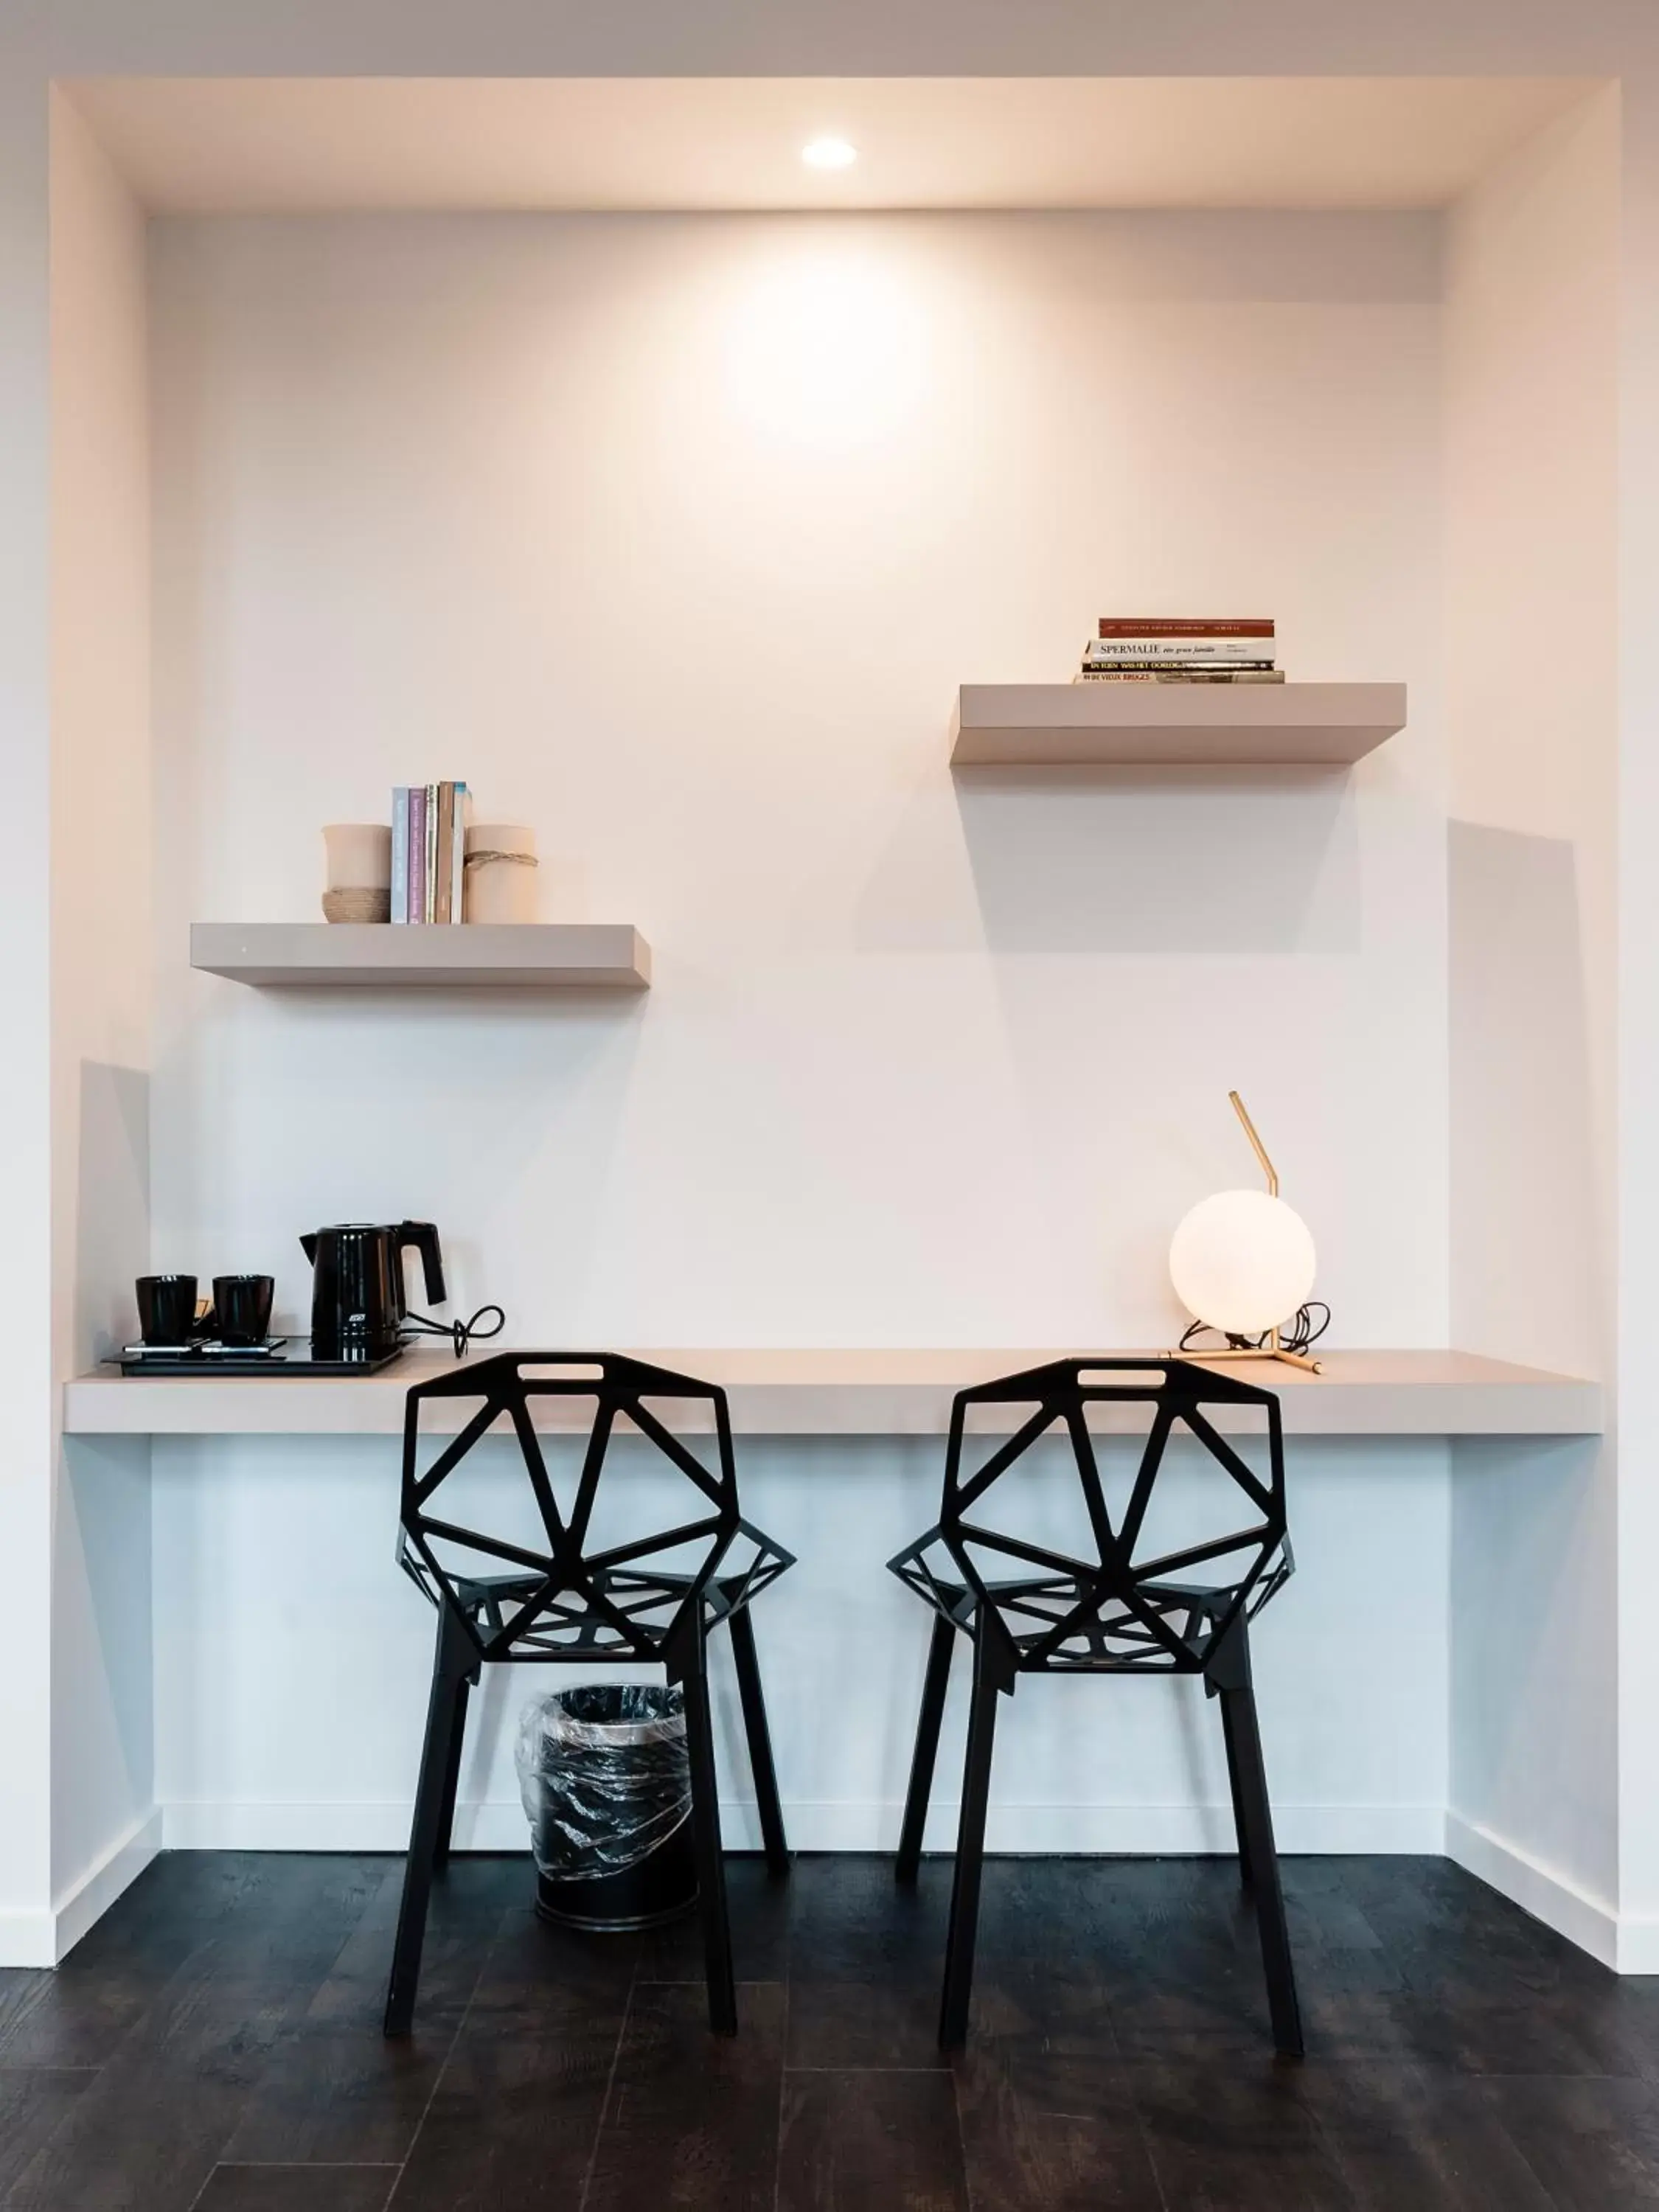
461	1333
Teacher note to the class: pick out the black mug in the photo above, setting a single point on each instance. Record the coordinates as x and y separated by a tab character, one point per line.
166	1308
241	1308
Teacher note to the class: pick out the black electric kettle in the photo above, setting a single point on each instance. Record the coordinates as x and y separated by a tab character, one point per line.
357	1299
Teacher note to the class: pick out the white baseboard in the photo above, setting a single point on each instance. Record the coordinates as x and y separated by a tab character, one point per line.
46	1937
27	1939
1553	1897
866	1825
91	1895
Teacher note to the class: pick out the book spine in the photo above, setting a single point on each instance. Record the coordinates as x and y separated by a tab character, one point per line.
1174	626
442	890
1179	676
400	852
457	851
417	852
1179	649
430	856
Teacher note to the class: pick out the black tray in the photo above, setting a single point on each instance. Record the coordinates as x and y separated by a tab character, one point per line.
275	1363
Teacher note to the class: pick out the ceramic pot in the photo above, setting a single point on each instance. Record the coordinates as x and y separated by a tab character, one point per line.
500	872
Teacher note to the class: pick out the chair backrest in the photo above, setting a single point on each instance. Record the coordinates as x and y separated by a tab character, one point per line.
1114	1601
552	1596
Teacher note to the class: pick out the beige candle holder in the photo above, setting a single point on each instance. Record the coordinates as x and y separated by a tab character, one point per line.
500	872
359	858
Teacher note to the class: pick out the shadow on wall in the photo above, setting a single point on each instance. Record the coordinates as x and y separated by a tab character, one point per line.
1534	1758
1127	860
112	1206
104	1717
1526	1271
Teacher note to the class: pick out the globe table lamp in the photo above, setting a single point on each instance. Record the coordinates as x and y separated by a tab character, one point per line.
1242	1260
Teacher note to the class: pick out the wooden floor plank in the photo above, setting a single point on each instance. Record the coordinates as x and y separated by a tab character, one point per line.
335	2088
1049	2119
1237	2135
34	2101
297	2189
147	2131
1425	2143
852	2141
693	2117
80	2015
1173	1949
865	1960
1483	1988
1593	2144
515	2113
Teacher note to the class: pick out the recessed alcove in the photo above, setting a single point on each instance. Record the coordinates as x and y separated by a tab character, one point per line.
573	439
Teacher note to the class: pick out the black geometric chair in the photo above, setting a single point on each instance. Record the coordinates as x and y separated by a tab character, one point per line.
650	1600
1115	1610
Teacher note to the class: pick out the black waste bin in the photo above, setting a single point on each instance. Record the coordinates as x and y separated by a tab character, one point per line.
606	1785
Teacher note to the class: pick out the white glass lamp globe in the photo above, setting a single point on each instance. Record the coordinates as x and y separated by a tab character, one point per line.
1242	1261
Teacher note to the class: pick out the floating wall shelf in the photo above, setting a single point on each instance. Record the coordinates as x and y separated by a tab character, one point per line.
478	956
1173	725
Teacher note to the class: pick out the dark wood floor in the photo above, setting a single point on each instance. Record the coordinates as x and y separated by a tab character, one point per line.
216	2044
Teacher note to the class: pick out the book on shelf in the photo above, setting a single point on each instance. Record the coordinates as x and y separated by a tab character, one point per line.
400	853
1179	676
443	844
463	815
417	852
1180	649
1185	626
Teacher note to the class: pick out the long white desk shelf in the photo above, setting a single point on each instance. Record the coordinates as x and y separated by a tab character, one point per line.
1358	1394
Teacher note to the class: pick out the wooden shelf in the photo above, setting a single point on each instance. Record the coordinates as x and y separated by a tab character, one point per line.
477	955
1173	725
858	1394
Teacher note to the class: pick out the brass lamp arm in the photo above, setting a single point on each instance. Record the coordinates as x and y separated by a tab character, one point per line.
1256	1144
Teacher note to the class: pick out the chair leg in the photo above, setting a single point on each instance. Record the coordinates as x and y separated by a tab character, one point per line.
452	1662
1239	1829
971	1851
760	1742
705	1835
929	1721
1238	1708
452	1774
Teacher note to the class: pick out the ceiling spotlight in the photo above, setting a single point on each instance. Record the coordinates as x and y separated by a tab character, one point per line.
828	153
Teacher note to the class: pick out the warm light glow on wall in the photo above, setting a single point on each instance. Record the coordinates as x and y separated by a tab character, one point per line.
828	347
828	153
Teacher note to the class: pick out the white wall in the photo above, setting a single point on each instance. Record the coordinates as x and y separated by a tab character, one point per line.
1532	706
1638	1028
675	536
102	1751
27	1452
292	1661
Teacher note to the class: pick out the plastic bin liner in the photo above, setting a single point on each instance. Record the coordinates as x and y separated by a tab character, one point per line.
603	1775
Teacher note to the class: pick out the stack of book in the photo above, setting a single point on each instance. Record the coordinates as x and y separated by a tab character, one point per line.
428	851
1180	649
